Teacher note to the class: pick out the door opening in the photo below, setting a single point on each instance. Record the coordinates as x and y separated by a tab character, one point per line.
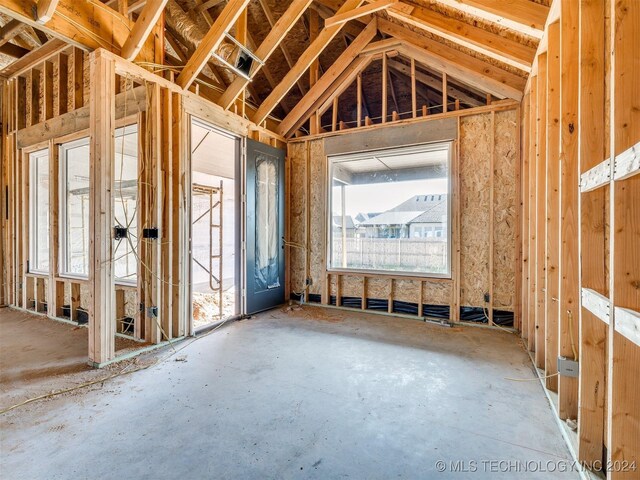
215	225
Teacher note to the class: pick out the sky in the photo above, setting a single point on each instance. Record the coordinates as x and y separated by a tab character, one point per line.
378	197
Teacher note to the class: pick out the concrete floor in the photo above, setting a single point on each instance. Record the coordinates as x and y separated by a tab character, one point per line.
311	393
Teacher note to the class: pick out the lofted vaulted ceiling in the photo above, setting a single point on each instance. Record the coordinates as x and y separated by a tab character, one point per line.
307	53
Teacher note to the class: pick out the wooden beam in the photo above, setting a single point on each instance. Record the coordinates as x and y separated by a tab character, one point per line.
142	28
12	50
45	10
414	112
569	198
63	89
78	119
552	250
540	209
28	61
292	120
266	48
466	68
101	279
359	113
210	42
523	13
531	286
385	74
359	12
303	63
623	396
445	96
9	30
88	24
593	331
209	4
474	37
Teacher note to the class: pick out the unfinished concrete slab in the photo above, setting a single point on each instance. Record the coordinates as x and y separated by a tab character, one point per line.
39	355
310	393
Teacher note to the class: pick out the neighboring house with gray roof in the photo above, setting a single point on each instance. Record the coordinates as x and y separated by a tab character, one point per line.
421	216
349	224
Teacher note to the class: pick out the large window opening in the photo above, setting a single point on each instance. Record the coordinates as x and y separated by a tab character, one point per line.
74	208
125	203
39	211
391	211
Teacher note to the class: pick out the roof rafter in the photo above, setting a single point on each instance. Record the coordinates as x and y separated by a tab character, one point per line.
292	120
266	48
142	28
473	37
468	69
9	30
301	66
210	42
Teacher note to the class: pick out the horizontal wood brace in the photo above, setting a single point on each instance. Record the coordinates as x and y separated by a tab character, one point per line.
597	304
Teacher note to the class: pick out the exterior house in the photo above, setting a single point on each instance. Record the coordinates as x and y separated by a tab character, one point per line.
421	216
349	223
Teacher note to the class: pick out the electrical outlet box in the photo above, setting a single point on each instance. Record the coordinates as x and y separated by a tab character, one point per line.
120	232
568	367
487	298
151	233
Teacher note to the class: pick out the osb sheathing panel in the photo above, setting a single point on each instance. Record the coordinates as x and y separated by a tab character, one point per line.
406	290
504	205
318	225
378	288
475	155
297	208
351	286
436	293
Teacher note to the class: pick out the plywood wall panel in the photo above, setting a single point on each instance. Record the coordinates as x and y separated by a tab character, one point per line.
475	153
406	290
317	195
504	209
297	212
436	293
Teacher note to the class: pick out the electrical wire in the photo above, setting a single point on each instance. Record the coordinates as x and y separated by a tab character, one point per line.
538	378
